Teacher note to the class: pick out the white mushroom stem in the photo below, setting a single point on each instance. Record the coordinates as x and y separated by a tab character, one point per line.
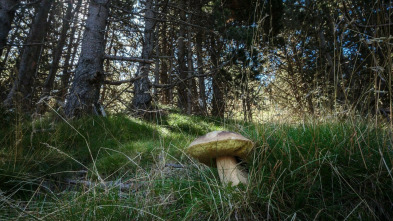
229	171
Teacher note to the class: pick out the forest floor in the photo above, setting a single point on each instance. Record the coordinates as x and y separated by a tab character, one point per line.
122	168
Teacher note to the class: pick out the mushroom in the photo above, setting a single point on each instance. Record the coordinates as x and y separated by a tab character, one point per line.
220	149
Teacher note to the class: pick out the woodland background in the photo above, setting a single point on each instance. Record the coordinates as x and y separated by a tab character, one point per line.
220	58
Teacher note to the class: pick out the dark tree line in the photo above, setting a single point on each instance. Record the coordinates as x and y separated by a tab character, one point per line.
204	57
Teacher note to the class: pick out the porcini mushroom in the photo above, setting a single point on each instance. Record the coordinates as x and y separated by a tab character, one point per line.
220	149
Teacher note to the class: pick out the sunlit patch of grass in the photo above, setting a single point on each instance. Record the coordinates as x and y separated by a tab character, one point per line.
190	124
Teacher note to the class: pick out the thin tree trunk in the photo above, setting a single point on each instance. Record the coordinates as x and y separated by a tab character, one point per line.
246	101
190	66
157	63
142	97
218	102
7	13
172	67
325	54
69	62
89	74
164	64
201	79
48	85
192	92
107	65
293	81
307	83
182	87
22	87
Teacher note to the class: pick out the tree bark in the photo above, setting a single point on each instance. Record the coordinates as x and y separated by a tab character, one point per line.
201	80
7	13
142	97
164	78
157	64
89	74
182	87
191	84
22	87
172	66
190	74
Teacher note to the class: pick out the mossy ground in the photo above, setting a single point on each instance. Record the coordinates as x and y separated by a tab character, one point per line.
306	170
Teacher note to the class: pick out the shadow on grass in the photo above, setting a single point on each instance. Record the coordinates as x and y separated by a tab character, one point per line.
44	147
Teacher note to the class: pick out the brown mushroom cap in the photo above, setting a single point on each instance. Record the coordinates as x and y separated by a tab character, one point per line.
218	144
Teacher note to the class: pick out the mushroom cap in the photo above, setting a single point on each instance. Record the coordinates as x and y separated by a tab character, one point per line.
218	144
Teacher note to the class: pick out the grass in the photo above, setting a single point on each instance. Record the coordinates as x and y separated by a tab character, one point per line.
308	170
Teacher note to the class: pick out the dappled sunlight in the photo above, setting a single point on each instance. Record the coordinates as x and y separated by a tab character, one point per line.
190	124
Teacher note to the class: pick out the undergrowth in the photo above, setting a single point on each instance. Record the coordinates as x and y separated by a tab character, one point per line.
121	168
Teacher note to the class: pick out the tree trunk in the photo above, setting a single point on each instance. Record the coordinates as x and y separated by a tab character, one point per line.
157	62
71	50
172	66
7	13
48	85
190	88
6	85
89	74
22	87
142	97
192	93
218	102
182	87
164	78
201	80
107	64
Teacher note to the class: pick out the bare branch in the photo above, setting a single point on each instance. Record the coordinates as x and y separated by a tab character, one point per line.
123	81
119	58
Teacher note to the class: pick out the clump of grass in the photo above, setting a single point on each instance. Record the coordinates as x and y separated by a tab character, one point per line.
336	170
314	170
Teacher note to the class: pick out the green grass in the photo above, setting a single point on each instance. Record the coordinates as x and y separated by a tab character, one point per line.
313	170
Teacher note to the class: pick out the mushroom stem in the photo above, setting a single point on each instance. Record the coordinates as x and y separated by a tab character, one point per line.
229	172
